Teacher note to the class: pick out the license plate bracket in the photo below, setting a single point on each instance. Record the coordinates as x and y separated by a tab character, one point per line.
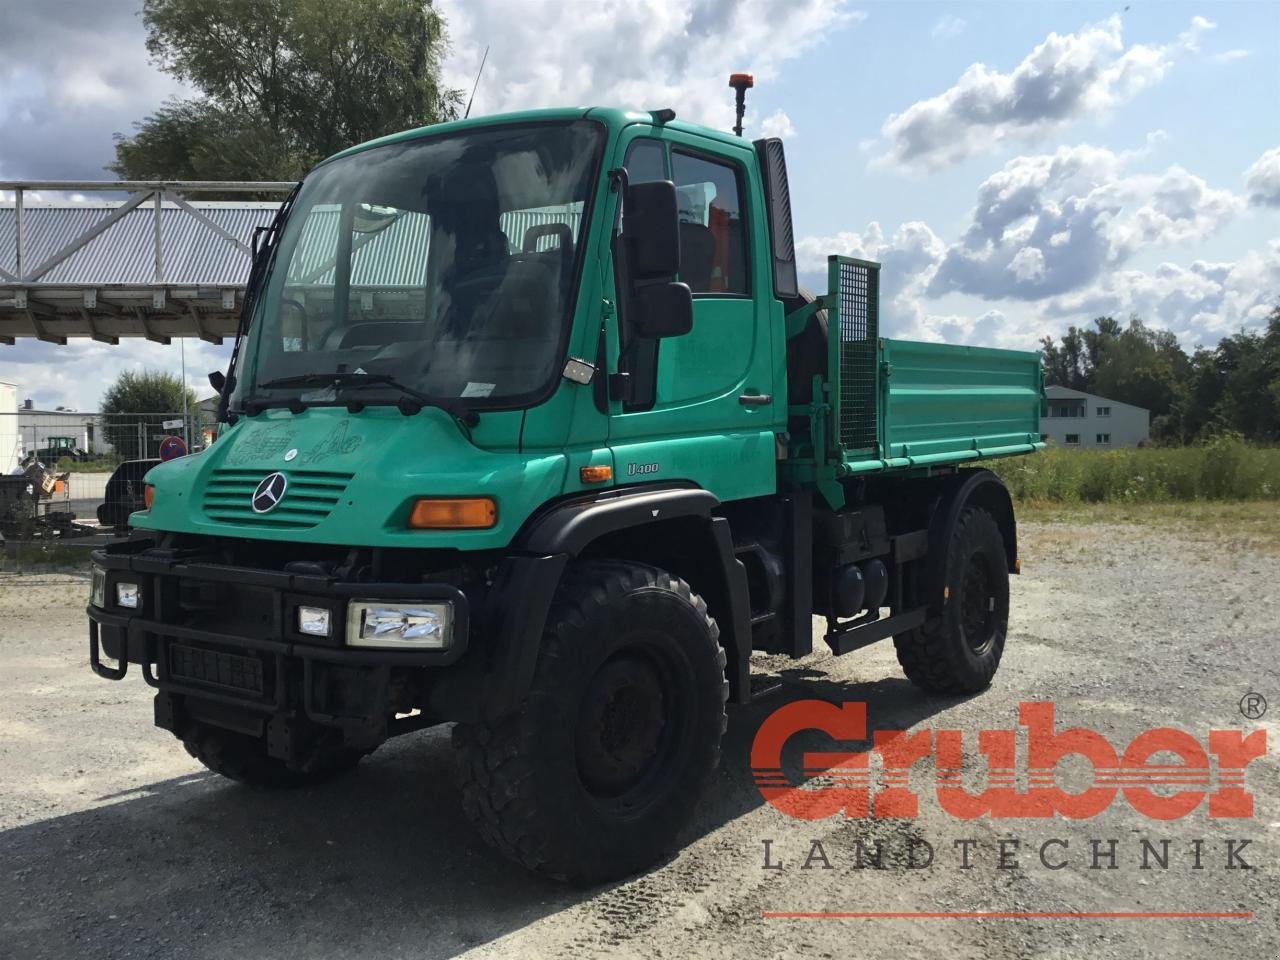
216	668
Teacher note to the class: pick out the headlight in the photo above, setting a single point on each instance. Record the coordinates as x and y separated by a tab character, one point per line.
313	621
399	626
127	595
98	587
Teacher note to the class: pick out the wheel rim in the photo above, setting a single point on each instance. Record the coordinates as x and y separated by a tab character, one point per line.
978	613
625	741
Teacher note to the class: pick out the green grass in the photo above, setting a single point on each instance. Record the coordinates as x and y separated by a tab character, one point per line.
1224	470
105	465
26	556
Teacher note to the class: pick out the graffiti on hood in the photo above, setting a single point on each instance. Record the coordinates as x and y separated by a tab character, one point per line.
337	443
261	443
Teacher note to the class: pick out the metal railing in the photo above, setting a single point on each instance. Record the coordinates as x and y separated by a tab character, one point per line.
140	191
69	274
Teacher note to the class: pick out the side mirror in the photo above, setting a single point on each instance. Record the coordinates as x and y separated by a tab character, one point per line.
217	380
256	243
662	310
651	229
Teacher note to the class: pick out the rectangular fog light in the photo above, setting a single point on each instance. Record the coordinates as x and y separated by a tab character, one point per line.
399	626
313	621
98	587
127	595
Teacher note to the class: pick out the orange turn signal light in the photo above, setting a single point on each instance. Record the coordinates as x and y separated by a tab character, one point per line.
149	494
454	513
600	474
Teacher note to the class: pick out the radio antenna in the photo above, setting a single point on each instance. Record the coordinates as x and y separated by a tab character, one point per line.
477	83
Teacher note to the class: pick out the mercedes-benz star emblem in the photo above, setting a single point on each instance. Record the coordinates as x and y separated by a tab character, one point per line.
269	493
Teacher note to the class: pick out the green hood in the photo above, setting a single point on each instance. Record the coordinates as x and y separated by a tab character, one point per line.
351	479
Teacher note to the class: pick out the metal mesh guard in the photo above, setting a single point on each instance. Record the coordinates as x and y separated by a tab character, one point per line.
858	286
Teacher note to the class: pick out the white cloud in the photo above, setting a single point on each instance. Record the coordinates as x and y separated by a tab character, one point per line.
1028	264
1051	223
908	260
949	26
72	73
992	329
1200	303
1048	243
777	124
1231	56
76	375
1065	77
668	53
1262	180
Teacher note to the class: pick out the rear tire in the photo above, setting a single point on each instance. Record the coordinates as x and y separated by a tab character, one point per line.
959	650
612	748
245	760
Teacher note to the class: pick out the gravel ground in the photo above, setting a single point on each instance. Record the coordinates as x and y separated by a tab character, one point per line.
116	844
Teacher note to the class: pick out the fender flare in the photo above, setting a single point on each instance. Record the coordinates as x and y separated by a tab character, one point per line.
979	487
571	525
561	532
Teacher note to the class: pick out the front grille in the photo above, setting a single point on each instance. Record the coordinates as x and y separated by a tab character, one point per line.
215	669
310	497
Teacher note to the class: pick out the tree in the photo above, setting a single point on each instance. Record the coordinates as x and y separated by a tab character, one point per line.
198	140
134	407
1138	365
1250	401
1232	388
284	84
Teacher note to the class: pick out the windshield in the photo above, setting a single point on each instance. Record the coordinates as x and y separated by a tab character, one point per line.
446	264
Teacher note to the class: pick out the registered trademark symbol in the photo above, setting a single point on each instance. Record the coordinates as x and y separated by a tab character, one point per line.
1253	706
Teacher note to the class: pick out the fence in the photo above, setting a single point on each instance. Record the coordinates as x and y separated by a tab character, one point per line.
88	447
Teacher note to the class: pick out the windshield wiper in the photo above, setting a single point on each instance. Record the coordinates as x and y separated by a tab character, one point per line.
411	401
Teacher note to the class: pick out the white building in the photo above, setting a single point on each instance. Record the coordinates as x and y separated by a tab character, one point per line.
10	445
37	427
1078	420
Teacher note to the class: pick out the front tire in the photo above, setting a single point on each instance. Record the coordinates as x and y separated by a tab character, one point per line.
959	651
602	766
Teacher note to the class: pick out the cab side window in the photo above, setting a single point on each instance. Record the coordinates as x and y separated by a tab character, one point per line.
646	161
713	241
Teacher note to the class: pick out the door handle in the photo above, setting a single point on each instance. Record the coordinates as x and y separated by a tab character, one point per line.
756	399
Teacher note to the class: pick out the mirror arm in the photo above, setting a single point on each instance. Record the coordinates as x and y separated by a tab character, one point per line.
619	181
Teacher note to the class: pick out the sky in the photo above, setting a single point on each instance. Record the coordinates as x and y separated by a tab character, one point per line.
1017	167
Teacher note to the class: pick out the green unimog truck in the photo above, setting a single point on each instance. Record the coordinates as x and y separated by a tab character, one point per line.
529	428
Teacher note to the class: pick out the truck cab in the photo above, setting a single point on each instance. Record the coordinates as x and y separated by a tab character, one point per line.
529	428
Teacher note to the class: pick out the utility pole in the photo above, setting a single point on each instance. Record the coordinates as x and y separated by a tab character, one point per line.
186	423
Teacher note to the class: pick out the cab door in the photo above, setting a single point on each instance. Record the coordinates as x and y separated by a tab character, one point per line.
701	405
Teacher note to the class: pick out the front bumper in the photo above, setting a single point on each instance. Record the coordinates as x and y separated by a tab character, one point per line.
220	644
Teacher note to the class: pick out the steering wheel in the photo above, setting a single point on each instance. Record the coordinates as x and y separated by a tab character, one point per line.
296	305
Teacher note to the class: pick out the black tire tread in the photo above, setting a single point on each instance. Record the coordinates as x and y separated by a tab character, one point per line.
927	654
496	773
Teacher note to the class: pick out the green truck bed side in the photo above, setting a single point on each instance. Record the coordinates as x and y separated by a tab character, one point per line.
942	404
896	405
